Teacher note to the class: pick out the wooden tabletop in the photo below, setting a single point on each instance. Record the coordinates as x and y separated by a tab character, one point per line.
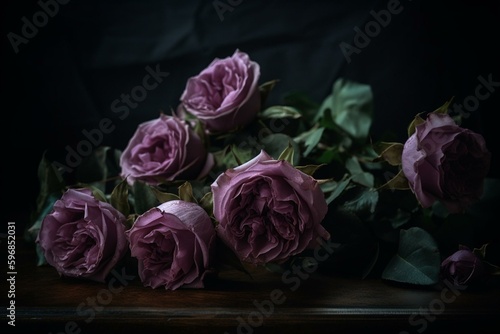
235	303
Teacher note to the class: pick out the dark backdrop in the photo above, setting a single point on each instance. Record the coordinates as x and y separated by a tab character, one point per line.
66	77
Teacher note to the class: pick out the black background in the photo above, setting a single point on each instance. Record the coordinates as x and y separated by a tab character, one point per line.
66	77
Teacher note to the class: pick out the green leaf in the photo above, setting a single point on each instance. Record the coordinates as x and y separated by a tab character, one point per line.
241	155
274	144
391	152
324	110
281	112
129	222
353	166
491	269
275	267
398	182
302	137
32	232
352	108
328	156
287	153
236	157
322	182
400	218
96	191
51	182
309	169
207	203
163	197
365	179
40	256
413	125
358	175
232	156
417	261
313	140
370	265
303	104
337	191
481	251
186	193
222	158
199	129
439	210
365	201
444	108
144	197
119	197
265	89
93	169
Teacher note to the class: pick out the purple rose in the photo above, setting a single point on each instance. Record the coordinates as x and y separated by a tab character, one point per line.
174	244
268	210
83	237
462	268
165	149
225	95
445	162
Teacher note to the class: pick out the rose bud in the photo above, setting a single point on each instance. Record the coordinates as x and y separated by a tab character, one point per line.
462	268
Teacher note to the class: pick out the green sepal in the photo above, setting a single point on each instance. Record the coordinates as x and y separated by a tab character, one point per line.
119	197
186	193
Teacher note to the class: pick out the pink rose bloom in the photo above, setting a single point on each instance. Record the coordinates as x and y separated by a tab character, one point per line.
83	237
445	162
225	95
165	149
268	210
174	245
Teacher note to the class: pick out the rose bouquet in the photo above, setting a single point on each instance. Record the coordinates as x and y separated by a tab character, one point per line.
227	181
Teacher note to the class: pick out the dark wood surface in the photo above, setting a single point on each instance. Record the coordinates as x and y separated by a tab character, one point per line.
46	303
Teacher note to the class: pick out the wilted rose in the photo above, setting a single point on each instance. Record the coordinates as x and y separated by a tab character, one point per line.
268	210
174	245
225	95
82	236
463	268
443	161
164	149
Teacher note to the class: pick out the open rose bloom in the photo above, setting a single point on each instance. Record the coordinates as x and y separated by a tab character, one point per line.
445	162
83	237
225	95
164	149
268	210
174	245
